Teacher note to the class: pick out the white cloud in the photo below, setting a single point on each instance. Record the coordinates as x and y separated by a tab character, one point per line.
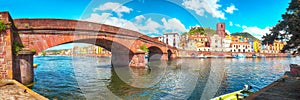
230	23
140	24
255	31
228	32
116	7
244	27
139	18
230	9
114	21
98	18
173	25
106	18
237	25
150	26
202	6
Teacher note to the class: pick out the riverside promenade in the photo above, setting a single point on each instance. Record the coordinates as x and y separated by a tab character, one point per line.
286	88
13	90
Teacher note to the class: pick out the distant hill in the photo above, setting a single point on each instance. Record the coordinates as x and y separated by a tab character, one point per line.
245	34
209	30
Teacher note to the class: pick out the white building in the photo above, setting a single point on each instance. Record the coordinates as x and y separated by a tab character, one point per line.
160	38
226	44
240	47
172	39
216	43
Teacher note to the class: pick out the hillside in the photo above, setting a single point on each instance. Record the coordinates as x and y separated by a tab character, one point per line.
201	30
245	34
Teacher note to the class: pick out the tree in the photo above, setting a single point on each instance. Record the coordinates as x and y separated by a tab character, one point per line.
144	48
43	53
287	29
199	30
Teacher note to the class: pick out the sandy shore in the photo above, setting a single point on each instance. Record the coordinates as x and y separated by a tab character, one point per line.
11	91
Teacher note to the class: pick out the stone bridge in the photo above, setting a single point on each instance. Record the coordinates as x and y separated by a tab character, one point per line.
40	34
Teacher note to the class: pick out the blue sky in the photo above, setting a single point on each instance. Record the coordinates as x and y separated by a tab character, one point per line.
155	17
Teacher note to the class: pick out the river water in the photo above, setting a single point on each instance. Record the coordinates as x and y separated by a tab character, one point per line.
94	78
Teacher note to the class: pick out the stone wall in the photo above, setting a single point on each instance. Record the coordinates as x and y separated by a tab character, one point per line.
6	40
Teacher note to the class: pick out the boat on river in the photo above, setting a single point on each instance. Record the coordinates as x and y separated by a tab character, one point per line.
237	95
239	55
201	56
254	56
262	56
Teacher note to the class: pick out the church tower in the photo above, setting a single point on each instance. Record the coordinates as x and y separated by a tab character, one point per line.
221	29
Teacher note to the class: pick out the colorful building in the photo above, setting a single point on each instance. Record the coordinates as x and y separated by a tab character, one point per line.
240	47
256	46
216	43
172	39
226	43
278	45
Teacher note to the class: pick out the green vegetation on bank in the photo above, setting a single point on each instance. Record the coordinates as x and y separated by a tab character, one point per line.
2	25
54	52
199	30
144	48
43	53
17	46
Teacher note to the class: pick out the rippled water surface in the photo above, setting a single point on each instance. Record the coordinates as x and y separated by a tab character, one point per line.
64	77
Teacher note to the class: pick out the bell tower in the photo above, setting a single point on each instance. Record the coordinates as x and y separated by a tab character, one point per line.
221	29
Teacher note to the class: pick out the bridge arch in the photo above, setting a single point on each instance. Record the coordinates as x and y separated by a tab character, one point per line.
155	53
169	54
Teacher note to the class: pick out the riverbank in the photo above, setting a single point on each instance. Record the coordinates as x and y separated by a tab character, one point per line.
13	90
214	54
286	88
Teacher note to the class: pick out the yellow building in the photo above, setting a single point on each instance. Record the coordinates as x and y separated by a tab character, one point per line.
278	45
99	50
202	42
256	46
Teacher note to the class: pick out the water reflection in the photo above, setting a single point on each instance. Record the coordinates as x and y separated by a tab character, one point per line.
94	78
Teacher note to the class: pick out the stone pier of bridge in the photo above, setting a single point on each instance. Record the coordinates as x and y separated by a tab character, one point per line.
16	61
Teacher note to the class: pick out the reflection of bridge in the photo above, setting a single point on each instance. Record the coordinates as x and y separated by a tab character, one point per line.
40	34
